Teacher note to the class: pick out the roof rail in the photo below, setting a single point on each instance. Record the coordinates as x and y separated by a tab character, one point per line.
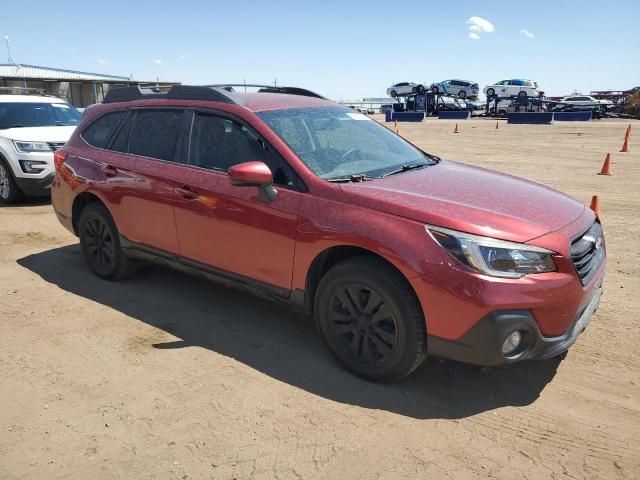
269	89
176	92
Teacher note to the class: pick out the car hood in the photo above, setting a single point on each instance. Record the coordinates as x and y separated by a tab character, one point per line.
39	134
469	199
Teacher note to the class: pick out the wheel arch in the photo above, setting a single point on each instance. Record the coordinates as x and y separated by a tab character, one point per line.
80	202
333	255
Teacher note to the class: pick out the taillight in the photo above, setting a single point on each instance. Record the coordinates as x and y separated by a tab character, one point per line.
59	157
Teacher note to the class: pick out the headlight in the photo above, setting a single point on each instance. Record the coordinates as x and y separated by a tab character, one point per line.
30	147
490	256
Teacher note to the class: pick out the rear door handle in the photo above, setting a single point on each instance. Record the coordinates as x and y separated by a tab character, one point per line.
187	192
109	171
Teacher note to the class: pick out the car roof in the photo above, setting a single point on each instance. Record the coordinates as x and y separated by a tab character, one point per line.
261	101
30	99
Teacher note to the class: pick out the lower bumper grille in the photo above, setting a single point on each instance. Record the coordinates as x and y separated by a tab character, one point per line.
588	252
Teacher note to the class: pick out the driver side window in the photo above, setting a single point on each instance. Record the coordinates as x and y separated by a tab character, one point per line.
218	143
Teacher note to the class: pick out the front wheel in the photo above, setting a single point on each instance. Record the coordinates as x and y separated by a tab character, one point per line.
394	94
100	243
371	319
434	90
9	190
523	94
462	94
420	89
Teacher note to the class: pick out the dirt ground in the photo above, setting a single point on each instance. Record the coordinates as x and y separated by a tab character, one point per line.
167	376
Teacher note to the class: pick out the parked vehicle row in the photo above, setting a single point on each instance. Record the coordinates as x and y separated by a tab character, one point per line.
468	88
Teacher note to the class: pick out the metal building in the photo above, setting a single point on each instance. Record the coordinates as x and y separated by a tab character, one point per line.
80	88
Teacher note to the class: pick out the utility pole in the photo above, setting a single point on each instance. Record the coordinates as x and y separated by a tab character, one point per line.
6	39
275	82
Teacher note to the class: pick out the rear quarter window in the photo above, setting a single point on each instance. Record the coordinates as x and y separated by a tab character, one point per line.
98	133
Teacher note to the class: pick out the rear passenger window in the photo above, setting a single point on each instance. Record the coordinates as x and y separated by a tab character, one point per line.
218	143
99	132
120	141
159	134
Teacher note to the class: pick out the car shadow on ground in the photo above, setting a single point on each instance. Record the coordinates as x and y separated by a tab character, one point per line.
283	344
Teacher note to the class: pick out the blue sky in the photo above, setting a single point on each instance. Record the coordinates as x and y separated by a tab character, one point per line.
342	49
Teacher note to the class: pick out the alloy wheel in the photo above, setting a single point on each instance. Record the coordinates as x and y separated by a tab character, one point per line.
5	186
363	324
99	244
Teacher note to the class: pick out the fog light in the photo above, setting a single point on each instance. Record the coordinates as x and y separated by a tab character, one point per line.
511	343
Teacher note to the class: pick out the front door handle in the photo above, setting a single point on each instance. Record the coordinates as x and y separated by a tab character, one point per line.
188	193
109	171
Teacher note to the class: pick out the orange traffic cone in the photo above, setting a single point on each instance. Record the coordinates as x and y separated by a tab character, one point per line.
606	166
496	125
397	131
456	130
625	145
595	205
395	123
628	132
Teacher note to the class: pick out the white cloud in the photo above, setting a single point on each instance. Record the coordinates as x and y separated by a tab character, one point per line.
480	23
157	61
474	36
102	61
527	33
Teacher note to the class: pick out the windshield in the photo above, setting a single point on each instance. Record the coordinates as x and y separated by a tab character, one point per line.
13	115
335	142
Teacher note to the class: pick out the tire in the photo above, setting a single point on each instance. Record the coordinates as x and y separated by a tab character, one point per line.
420	88
394	94
502	112
523	94
371	319
435	90
490	92
9	191
462	94
100	244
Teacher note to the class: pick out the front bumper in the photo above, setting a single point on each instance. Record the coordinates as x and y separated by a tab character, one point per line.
482	344
36	187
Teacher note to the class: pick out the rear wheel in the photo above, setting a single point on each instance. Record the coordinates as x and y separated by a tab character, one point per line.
9	190
523	94
434	90
394	94
100	243
490	92
371	320
420	88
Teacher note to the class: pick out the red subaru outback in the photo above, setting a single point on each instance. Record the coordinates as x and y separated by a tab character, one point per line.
396	252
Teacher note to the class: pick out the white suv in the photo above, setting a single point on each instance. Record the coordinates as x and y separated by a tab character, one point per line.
508	88
32	127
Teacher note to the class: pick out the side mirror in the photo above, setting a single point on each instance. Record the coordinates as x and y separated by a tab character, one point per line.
254	174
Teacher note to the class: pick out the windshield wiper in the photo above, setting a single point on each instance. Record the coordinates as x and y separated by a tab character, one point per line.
406	168
361	177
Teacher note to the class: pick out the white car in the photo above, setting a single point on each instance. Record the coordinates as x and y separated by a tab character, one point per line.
584	101
32	127
461	88
509	88
404	88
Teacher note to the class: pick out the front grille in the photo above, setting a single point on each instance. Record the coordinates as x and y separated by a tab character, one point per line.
55	145
588	252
